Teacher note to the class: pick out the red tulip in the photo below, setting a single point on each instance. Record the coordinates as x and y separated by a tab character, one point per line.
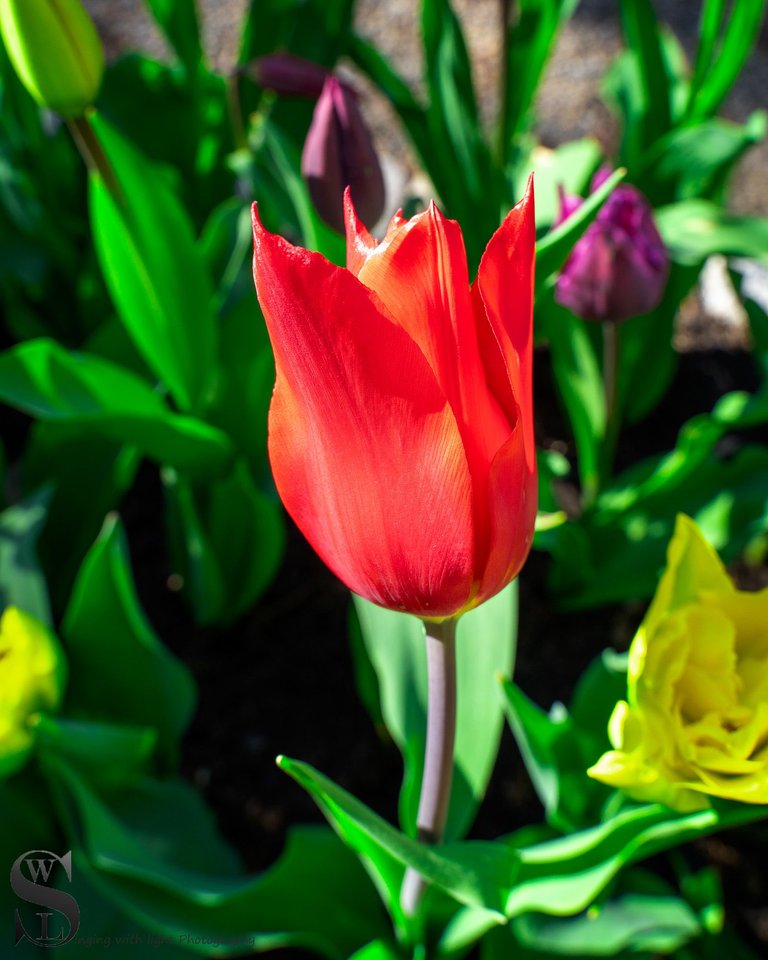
401	426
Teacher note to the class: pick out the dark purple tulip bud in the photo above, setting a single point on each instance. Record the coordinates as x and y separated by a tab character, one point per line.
619	268
288	75
339	152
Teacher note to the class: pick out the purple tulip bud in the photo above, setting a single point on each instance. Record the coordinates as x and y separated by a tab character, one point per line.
288	75
619	268
339	152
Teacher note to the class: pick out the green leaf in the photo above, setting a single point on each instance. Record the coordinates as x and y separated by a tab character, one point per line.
642	36
107	754
61	454
694	162
53	384
227	540
716	70
22	584
616	551
385	851
634	921
155	852
485	647
119	670
569	166
559	877
528	46
646	341
693	230
554	249
178	21
454	126
557	754
377	950
154	271
579	381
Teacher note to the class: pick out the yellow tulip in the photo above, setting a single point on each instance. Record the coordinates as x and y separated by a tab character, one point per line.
32	678
55	50
695	722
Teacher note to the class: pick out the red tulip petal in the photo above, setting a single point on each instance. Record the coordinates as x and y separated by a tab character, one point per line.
360	244
420	273
513	496
504	291
366	453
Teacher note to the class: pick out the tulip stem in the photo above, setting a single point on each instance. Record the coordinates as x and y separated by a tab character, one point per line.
93	154
236	112
438	754
610	387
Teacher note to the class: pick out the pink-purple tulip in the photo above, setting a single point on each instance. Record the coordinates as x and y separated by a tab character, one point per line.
619	268
339	152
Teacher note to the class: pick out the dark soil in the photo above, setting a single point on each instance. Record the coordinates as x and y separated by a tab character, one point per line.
281	680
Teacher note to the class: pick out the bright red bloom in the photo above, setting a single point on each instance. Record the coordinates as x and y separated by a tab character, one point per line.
401	426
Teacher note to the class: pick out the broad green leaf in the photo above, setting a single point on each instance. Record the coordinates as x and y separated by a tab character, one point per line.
107	754
568	166
53	384
178	21
119	670
636	922
693	230
155	852
154	271
22	583
554	248
485	647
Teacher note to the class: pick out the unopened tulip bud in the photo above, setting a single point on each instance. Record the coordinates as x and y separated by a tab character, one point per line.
55	50
619	268
339	152
288	75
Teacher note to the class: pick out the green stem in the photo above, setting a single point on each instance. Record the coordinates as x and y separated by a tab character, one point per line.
610	388
93	153
438	755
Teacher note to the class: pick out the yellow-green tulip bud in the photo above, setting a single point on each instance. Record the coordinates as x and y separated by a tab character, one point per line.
54	48
695	722
32	677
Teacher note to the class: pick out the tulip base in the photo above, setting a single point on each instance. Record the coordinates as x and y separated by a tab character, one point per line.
438	755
